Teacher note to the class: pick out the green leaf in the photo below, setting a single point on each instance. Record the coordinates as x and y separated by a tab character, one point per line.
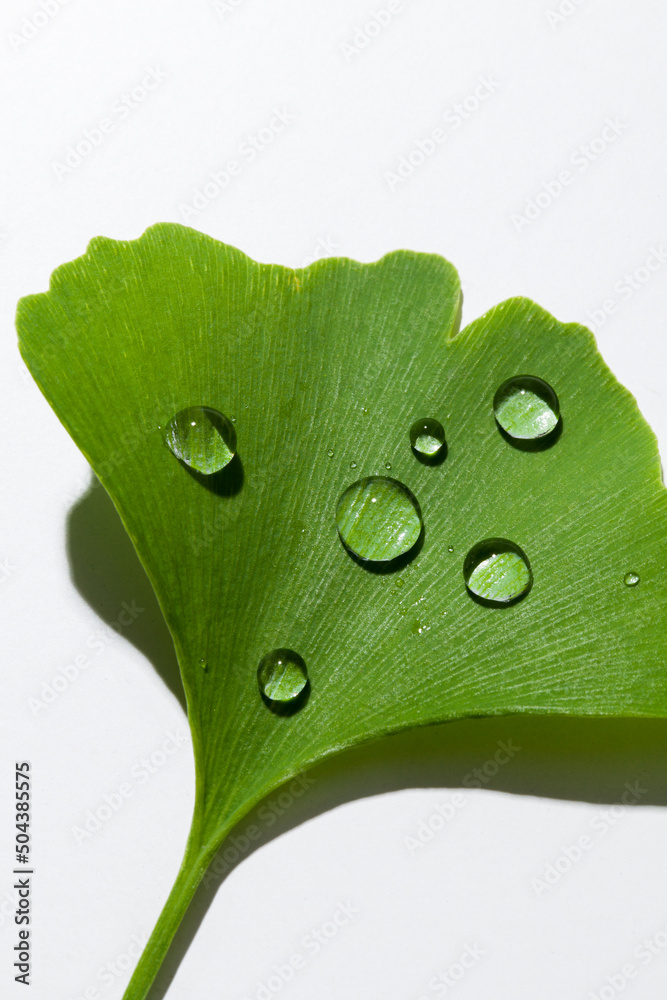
323	372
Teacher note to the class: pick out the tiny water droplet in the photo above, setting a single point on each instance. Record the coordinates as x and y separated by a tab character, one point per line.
330	453
497	572
364	410
631	579
427	437
450	548
387	466
202	438
526	408
282	677
233	419
378	519
400	583
204	665
353	465
419	628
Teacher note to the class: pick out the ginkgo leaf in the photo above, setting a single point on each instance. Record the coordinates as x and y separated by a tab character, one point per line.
323	374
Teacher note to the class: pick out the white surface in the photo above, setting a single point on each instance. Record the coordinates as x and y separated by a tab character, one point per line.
321	182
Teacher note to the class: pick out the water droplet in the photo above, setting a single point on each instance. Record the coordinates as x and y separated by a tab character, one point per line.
233	419
364	410
419	628
353	465
387	466
282	676
378	519
400	583
450	548
427	437
526	408
497	572
631	579
330	453
201	437
204	665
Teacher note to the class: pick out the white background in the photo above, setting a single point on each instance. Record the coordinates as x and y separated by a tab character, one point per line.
359	99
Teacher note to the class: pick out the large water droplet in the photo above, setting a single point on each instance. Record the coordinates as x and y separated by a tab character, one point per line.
203	438
427	437
631	579
378	519
526	408
497	572
283	677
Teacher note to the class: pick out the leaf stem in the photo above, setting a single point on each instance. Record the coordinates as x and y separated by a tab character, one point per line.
194	865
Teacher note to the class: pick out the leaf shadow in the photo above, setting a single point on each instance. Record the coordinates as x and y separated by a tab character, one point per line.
433	460
557	757
227	482
106	571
